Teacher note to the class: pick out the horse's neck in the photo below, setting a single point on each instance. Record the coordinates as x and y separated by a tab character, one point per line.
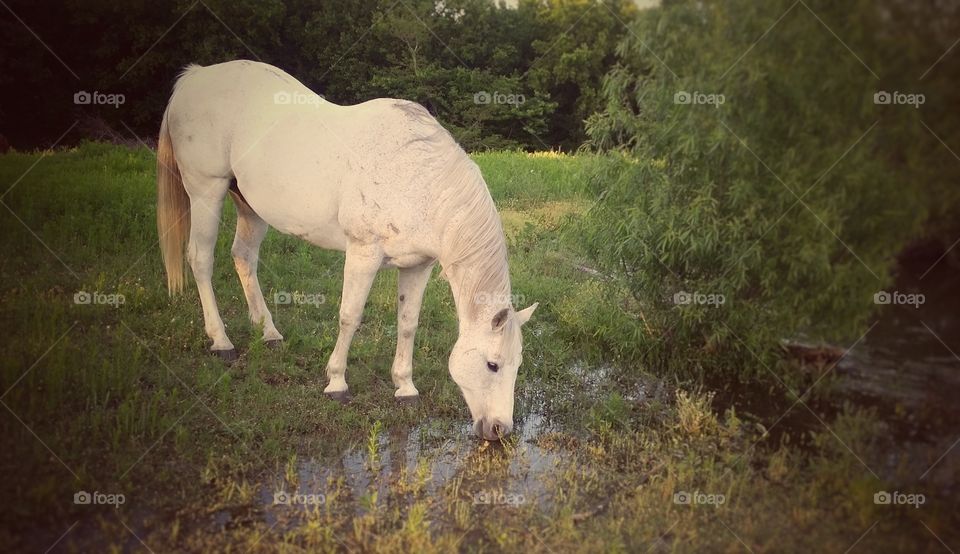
476	305
474	262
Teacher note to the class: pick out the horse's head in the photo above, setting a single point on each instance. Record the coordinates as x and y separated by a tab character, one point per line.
484	364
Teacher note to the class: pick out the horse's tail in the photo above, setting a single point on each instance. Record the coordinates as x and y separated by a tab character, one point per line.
173	211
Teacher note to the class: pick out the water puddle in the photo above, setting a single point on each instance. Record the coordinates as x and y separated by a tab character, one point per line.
433	460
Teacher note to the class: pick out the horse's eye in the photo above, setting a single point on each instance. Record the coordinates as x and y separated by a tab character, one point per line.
493	367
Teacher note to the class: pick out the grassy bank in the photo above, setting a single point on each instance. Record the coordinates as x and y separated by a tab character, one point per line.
123	399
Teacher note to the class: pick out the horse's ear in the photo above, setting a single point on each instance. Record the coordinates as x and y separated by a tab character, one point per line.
500	319
523	315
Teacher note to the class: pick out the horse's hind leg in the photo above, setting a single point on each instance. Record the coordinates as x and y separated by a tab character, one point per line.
246	251
206	201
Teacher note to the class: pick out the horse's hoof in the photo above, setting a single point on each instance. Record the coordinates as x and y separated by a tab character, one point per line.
342	396
274	344
411	400
228	356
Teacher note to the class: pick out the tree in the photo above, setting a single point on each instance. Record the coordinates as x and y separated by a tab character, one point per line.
755	172
545	58
574	50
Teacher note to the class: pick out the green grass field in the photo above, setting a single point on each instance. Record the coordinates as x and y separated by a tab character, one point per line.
124	399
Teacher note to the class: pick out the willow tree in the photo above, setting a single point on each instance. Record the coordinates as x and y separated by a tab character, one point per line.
758	170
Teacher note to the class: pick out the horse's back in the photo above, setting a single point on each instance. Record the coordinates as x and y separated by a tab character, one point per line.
256	115
307	166
370	167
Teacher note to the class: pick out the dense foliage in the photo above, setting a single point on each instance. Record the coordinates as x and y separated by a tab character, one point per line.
764	193
497	77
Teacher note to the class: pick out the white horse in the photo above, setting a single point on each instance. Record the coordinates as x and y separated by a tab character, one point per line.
382	181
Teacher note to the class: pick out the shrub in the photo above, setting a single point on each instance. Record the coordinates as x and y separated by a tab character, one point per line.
755	200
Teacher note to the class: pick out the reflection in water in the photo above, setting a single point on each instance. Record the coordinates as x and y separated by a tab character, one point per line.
483	473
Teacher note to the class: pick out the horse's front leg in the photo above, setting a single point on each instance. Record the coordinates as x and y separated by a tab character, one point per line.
359	270
411	283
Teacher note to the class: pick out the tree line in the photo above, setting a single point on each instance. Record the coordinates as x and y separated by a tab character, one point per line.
496	76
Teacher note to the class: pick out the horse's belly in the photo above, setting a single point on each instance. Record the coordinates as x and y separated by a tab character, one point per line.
330	237
324	234
309	215
294	192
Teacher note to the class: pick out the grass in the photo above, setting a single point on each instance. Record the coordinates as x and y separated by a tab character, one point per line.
124	399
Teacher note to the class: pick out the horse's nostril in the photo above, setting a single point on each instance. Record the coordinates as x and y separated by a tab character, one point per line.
497	430
491	430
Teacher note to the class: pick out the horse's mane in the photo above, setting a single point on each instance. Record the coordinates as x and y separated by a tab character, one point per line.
460	194
477	240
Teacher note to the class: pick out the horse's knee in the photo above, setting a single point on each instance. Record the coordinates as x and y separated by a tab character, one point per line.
349	321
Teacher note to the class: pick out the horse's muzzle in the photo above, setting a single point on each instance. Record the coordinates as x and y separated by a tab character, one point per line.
492	429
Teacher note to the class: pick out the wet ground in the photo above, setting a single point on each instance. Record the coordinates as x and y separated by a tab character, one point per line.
905	367
366	476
